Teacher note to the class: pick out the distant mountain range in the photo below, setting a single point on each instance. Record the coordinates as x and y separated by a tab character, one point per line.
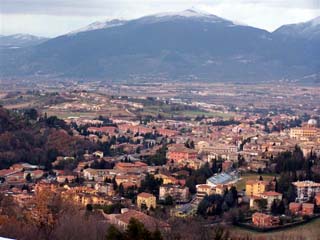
188	45
20	40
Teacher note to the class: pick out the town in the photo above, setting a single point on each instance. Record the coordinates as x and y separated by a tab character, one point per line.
119	163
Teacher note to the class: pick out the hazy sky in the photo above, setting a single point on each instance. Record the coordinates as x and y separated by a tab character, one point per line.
56	17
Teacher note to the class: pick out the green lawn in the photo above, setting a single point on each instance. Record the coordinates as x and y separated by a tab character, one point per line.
165	111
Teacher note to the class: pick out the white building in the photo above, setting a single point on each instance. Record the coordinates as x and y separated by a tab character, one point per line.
306	190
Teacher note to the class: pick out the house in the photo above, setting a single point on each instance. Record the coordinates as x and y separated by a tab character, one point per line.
257	187
7	172
34	174
106	188
264	220
179	153
167	132
96	174
305	209
303	132
177	192
192	163
166	179
98	154
16	177
109	130
122	220
306	190
294	208
65	178
204	190
270	196
146	200
128	166
227	165
132	179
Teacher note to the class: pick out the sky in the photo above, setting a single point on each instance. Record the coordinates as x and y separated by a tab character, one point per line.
51	18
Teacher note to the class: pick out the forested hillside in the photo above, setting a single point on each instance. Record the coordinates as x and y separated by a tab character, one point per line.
29	137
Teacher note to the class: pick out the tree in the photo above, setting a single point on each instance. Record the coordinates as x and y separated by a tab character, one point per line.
291	194
210	205
150	184
136	230
31	114
262	204
159	158
156	235
231	197
28	178
89	207
121	190
45	211
168	200
277	207
52	154
114	183
114	234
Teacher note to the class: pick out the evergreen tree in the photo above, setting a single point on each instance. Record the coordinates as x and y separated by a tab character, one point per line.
114	234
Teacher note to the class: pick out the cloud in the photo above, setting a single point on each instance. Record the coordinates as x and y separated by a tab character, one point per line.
54	17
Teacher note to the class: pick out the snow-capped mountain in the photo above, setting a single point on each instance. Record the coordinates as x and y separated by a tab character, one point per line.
307	30
193	14
99	25
176	45
20	40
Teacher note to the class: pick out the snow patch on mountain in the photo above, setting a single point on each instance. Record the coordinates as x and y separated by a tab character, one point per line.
99	25
186	14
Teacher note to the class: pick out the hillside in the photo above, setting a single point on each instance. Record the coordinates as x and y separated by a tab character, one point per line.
23	138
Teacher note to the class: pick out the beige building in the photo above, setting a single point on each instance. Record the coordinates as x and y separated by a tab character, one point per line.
146	199
177	192
303	132
256	187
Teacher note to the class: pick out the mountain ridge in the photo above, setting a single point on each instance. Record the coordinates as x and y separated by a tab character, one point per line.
175	45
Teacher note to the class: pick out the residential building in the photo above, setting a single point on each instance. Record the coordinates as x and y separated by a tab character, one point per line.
177	192
270	196
305	190
264	220
131	166
122	220
303	132
180	153
305	209
146	200
294	208
257	187
204	190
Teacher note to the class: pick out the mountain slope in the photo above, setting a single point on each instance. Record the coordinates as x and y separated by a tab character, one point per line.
307	30
178	46
99	25
20	40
